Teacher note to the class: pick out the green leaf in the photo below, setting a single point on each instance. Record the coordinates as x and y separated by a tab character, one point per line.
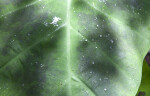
72	47
144	87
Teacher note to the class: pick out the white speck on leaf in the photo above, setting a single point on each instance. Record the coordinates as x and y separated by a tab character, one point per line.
105	89
55	20
93	62
112	41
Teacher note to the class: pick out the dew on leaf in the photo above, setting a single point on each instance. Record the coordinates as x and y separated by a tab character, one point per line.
100	79
95	18
55	21
42	65
45	23
29	34
105	89
112	41
23	85
100	35
93	62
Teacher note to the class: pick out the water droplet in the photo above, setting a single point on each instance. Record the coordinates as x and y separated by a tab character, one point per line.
42	65
12	40
97	25
91	72
105	89
93	62
55	20
29	34
45	23
85	39
43	7
96	47
95	18
112	41
105	78
23	84
100	35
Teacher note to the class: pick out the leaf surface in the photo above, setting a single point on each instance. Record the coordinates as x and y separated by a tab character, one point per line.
72	47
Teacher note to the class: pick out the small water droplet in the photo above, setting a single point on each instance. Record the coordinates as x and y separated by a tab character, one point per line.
95	18
42	65
96	47
29	34
112	41
12	40
55	20
93	62
105	89
23	85
100	35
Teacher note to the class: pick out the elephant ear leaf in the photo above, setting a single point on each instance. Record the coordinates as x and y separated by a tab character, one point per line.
72	47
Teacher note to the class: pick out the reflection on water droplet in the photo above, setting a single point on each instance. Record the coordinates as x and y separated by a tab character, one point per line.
96	47
55	21
42	65
100	35
93	62
105	89
100	79
23	85
112	41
